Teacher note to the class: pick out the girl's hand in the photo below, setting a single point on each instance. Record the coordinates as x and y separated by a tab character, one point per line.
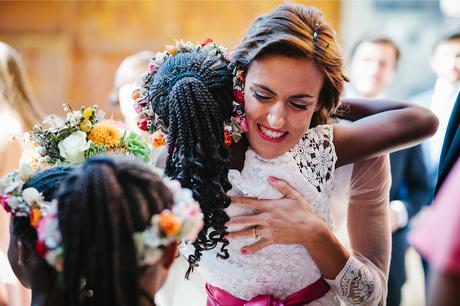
289	220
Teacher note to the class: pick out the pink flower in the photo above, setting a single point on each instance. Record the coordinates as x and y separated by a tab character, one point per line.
4	203
244	125
151	67
138	108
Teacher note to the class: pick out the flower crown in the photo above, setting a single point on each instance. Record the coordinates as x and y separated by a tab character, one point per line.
82	134
22	203
183	222
153	124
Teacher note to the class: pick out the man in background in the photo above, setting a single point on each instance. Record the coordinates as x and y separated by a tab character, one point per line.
440	98
372	68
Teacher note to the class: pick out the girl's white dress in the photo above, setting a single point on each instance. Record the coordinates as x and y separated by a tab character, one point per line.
281	270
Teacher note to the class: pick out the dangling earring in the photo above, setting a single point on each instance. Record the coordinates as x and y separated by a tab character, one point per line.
237	125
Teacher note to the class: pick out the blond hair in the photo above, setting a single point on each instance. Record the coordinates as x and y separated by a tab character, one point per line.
15	90
297	31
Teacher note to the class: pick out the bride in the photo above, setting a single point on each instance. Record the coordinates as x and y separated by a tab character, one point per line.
290	75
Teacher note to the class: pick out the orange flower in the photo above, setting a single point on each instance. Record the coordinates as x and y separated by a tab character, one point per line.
35	217
105	133
158	139
170	224
227	138
136	94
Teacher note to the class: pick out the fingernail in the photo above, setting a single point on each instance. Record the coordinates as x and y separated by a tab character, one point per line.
226	237
272	179
243	251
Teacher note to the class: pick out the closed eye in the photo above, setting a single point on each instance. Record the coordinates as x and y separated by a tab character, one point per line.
258	96
300	106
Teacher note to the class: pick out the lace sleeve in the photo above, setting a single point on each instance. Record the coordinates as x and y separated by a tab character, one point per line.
316	158
363	280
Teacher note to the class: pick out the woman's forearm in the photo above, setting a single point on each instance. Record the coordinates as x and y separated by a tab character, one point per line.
327	252
355	109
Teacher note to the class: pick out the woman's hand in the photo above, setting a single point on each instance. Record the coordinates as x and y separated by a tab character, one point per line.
290	220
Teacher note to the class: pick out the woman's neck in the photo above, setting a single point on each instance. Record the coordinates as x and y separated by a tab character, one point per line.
238	153
44	292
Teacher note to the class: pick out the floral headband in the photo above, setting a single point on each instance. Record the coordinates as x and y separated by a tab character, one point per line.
183	222
153	124
22	203
82	134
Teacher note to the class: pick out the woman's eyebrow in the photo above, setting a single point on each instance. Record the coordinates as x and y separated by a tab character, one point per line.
302	96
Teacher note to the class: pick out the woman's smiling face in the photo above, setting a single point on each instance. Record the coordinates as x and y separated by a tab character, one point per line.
281	94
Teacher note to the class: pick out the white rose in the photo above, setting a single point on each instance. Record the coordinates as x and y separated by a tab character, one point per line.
31	195
73	147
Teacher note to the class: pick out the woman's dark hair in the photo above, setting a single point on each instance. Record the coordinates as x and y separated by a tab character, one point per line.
192	93
298	31
47	182
101	205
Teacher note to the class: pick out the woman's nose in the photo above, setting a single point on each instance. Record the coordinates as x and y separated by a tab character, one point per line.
276	116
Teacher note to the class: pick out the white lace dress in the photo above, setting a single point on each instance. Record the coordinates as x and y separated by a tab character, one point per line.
281	270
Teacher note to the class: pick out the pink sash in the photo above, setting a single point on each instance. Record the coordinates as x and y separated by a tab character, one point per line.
219	297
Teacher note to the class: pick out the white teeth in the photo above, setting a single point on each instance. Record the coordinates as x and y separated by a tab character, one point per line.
271	134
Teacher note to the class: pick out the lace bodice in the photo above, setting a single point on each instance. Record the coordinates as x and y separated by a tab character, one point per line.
308	168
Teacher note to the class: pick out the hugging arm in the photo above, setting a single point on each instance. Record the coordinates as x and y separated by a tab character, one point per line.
380	126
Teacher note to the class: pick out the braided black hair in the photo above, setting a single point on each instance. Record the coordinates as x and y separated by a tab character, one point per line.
101	205
47	182
192	94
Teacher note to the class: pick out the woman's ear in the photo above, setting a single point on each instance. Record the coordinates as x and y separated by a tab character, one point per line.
169	254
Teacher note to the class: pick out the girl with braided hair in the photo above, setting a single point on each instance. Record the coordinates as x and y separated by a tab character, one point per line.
107	237
291	76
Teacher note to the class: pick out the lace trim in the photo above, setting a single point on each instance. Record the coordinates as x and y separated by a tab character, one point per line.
315	156
355	284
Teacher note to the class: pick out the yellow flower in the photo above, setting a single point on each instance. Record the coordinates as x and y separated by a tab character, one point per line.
105	133
86	125
87	112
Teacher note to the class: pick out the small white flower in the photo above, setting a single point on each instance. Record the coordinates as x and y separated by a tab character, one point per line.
73	147
54	121
31	195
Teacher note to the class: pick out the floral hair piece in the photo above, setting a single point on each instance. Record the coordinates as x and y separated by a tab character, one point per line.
22	203
183	222
82	134
152	123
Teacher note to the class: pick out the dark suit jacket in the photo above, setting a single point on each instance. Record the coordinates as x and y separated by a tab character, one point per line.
451	147
411	185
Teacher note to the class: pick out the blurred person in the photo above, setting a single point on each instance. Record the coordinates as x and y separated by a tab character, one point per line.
436	238
373	65
124	84
18	112
440	98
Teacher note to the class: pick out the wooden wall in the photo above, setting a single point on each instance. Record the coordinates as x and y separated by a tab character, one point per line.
72	49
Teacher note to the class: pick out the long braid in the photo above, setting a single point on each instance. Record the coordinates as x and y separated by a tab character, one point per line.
101	206
192	94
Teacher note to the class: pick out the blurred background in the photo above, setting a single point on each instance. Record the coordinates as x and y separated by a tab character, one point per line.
72	49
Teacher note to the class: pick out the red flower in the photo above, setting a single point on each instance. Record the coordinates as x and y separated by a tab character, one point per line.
142	124
238	95
227	138
41	248
206	41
